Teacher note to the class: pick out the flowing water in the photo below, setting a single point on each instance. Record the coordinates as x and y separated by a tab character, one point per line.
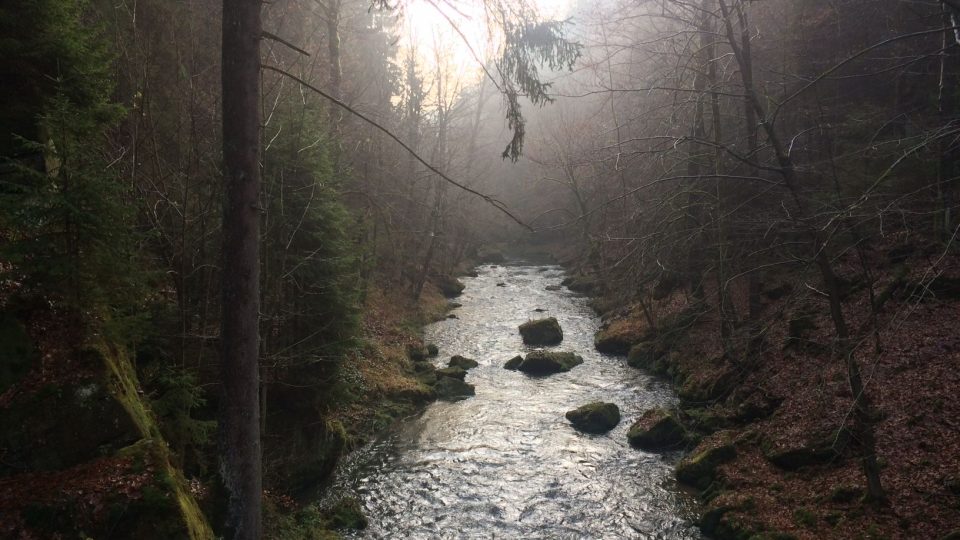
506	463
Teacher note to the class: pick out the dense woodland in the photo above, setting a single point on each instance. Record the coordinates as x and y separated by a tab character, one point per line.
217	248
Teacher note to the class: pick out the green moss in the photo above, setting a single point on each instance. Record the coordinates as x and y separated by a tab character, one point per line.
699	470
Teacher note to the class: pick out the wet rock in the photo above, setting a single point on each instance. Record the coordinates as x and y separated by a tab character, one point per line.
471	273
541	332
501	284
513	364
462	362
451	389
432	350
700	469
656	430
453	372
454	305
549	362
552	287
452	316
539	310
346	514
449	285
597	417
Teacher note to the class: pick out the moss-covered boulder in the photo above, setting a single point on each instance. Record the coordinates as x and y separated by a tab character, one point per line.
346	514
417	394
700	469
549	362
432	350
541	332
450	286
618	336
656	430
462	362
597	417
513	364
452	372
452	389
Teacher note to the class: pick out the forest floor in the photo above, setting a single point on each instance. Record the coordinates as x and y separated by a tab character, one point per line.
786	409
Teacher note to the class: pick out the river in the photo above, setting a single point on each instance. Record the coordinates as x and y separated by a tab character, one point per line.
506	463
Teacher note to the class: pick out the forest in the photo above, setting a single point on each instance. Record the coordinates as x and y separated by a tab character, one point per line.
319	269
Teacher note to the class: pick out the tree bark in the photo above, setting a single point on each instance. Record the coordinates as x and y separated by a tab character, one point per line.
239	336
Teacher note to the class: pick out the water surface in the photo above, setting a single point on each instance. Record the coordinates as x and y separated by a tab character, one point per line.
506	463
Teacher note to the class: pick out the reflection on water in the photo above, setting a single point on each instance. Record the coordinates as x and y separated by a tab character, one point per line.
506	464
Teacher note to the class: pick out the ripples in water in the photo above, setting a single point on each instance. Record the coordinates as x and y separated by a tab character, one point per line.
506	463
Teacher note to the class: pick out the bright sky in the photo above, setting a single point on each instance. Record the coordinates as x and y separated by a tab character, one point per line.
428	30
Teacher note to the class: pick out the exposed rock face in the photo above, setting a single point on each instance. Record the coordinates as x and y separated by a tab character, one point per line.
462	362
597	417
546	362
541	332
656	430
450	389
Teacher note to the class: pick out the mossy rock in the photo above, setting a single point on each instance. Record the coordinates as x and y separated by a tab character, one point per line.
597	417
346	514
451	389
549	362
541	332
432	350
449	286
453	372
644	355
700	469
462	362
513	364
656	430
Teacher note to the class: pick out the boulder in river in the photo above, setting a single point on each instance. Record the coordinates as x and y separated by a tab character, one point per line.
514	363
597	417
462	362
580	284
552	288
541	332
452	389
548	362
432	350
454	372
656	430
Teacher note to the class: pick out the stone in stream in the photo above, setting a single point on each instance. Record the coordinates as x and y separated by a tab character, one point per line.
552	288
597	417
432	350
451	389
546	362
539	310
453	372
462	362
501	284
656	430
541	332
513	363
452	316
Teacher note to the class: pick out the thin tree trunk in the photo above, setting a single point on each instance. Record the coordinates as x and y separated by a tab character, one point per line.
239	337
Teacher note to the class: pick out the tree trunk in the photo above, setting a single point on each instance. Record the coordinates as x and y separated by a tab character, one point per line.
239	336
